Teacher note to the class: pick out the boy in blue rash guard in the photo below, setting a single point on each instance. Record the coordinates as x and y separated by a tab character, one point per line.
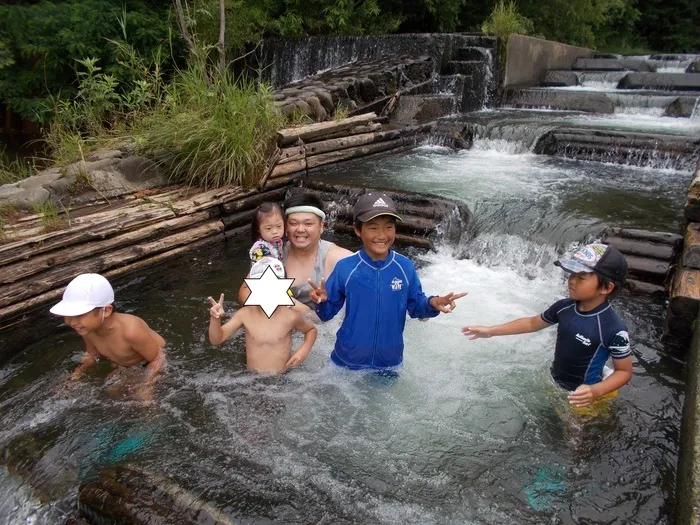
589	330
379	287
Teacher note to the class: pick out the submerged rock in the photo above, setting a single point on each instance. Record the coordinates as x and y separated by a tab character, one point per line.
135	496
463	139
681	107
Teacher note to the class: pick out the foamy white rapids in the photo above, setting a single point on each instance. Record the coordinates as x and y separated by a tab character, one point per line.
640	119
592	85
636	110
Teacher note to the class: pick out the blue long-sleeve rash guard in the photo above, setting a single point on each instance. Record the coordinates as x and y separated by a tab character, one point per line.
377	295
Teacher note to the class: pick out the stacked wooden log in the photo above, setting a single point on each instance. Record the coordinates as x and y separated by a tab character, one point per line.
118	238
684	303
426	220
649	257
309	147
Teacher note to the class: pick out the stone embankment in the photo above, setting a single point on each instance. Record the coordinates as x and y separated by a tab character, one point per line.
103	174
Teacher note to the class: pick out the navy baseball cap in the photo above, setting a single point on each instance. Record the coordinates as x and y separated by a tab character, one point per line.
602	259
374	204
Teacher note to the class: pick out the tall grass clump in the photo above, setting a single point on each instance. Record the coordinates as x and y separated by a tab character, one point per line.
505	20
212	129
14	168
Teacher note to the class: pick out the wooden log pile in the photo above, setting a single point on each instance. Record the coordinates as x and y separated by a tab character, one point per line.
139	230
684	301
649	257
119	238
426	220
309	147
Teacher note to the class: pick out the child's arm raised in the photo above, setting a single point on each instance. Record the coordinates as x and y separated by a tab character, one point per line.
524	325
310	333
217	333
329	296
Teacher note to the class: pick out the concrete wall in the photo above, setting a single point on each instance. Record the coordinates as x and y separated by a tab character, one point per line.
687	510
530	58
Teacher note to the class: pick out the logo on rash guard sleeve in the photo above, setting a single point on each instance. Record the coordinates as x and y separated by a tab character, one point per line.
621	342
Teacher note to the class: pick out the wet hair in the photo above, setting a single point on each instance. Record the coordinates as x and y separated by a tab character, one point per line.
604	282
359	223
304	199
262	211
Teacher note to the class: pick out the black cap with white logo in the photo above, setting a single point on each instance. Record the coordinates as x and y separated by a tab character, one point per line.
374	204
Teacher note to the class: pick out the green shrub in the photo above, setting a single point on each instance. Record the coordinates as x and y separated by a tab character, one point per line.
212	130
505	20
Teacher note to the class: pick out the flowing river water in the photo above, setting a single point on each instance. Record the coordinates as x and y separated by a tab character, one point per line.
468	432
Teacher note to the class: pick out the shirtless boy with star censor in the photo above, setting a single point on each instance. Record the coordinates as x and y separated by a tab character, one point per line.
268	321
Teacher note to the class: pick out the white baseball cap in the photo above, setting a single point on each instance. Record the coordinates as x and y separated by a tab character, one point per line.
259	267
83	294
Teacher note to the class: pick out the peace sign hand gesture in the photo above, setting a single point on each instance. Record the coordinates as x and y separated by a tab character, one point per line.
446	303
318	293
217	309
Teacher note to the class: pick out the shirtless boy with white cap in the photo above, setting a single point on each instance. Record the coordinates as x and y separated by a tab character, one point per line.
124	339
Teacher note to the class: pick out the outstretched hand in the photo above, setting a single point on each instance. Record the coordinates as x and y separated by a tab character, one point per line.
446	303
477	332
318	293
217	308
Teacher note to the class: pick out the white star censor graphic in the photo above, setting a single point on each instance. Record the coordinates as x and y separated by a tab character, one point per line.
268	292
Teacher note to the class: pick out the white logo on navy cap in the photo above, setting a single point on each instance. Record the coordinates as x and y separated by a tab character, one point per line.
380	203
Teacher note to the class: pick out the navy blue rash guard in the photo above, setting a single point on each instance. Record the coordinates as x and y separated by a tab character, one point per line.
585	340
377	295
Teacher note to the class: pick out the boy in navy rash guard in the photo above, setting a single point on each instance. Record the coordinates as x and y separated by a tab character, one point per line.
378	286
589	329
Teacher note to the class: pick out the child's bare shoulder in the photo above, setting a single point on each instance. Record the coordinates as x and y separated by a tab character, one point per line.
131	323
284	314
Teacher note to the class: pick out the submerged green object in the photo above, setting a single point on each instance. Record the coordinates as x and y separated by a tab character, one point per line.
546	486
111	449
127	446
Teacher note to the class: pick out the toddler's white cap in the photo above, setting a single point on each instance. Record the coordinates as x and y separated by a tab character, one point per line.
83	294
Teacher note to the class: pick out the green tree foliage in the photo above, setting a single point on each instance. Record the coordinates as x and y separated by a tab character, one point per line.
428	16
40	44
670	25
330	17
578	22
